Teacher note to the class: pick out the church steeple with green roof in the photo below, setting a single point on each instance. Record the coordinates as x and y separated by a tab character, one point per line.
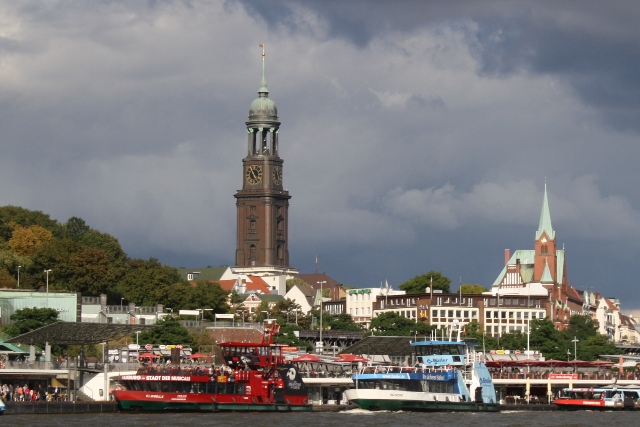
545	219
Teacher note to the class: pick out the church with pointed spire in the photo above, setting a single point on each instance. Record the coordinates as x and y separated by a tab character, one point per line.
537	278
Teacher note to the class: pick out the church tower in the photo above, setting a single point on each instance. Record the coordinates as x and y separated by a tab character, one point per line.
545	261
262	203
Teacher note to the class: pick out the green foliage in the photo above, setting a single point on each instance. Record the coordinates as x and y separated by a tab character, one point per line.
419	284
30	319
288	337
392	324
472	288
12	216
147	282
582	327
168	331
341	322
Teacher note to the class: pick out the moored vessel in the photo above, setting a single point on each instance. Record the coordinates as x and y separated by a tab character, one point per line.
599	398
449	376
255	377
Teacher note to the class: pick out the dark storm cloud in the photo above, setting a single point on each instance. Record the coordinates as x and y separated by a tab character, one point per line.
594	46
416	135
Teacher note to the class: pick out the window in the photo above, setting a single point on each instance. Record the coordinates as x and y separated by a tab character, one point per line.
439	301
507	301
496	314
511	315
450	313
458	313
526	315
368	310
446	300
492	301
533	315
519	315
466	314
488	314
503	315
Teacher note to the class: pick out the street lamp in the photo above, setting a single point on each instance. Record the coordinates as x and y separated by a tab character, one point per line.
322	282
48	271
19	267
575	342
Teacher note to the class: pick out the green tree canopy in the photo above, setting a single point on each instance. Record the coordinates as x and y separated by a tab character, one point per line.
419	284
30	319
391	323
341	322
168	331
472	288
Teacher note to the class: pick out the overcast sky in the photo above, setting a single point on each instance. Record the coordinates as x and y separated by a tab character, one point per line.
415	135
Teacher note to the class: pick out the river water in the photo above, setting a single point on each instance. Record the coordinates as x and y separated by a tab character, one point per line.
351	418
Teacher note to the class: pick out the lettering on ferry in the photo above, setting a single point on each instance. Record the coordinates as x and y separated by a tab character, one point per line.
435	377
438	360
157	377
485	381
154	396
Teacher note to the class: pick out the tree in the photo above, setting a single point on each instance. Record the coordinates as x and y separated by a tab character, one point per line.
419	284
341	322
30	319
472	288
582	327
76	228
147	282
391	323
28	240
207	295
167	331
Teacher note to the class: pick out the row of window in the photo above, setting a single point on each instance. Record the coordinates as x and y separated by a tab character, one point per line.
492	302
455	314
504	314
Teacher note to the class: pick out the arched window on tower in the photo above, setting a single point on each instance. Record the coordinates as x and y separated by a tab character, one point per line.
252	253
544	249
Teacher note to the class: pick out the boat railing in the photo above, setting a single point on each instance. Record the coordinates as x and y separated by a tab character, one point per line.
382	369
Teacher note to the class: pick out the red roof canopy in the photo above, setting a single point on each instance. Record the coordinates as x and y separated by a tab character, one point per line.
350	358
307	358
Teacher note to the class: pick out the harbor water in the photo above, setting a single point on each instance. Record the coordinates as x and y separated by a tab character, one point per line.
321	419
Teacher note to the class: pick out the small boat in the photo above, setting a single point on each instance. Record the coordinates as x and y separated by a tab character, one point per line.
255	377
449	376
599	398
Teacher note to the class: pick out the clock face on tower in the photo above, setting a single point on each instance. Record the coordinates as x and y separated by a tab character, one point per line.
277	175
254	174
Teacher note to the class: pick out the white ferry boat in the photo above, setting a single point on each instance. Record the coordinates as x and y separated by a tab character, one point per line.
448	377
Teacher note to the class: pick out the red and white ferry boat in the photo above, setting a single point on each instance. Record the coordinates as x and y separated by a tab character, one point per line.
255	378
603	399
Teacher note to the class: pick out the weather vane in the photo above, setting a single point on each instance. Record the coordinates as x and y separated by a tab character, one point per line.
261	45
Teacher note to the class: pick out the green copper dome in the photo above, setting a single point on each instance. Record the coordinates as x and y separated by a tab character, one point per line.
262	108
